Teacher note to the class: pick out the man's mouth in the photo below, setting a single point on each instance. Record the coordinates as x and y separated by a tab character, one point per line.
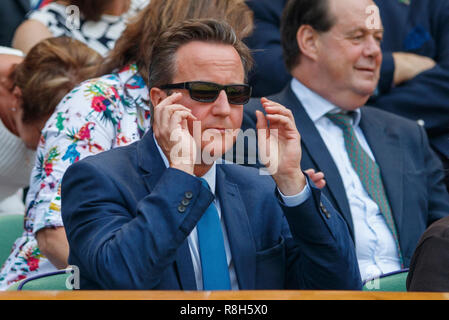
365	69
221	130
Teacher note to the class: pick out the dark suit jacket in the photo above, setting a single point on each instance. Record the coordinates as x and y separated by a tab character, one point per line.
422	28
411	172
429	269
269	74
12	13
121	213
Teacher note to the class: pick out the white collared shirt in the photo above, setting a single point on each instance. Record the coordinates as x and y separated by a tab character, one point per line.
375	246
192	239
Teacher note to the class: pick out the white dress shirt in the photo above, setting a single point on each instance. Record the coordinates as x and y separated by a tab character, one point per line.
375	246
192	239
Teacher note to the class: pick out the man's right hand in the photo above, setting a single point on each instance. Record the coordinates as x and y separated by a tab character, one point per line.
172	133
409	65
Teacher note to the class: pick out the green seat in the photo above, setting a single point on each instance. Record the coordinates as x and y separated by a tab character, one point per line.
394	281
11	228
49	281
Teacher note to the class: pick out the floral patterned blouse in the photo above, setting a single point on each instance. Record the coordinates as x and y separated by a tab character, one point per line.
98	115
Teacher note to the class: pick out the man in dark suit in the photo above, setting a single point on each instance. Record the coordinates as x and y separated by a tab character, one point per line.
414	77
12	13
380	171
163	214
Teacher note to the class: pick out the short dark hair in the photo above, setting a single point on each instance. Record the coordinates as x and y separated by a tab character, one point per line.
296	13
142	30
163	57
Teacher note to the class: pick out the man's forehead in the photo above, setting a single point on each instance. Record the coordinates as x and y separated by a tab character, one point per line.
204	52
197	56
356	14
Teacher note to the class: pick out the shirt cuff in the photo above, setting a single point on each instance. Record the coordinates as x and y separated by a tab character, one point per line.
297	199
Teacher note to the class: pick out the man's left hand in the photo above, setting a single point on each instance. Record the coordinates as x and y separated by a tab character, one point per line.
280	147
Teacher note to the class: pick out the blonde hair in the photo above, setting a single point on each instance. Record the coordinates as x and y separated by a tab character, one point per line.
50	70
135	43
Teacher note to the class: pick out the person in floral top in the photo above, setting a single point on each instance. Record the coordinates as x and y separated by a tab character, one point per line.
95	116
101	113
29	95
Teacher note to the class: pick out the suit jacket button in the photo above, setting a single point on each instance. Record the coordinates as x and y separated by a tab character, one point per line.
181	209
185	202
188	195
325	211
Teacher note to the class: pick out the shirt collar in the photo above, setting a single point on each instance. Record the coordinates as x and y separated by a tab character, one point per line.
209	176
315	105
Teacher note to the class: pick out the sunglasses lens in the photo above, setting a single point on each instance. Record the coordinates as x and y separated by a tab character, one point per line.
208	92
238	94
204	92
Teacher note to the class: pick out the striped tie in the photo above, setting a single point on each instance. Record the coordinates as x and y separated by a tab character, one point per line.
367	170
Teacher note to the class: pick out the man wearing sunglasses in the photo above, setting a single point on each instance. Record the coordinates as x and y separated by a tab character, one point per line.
158	215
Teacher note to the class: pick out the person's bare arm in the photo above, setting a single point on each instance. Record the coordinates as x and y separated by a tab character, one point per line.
29	33
53	244
409	65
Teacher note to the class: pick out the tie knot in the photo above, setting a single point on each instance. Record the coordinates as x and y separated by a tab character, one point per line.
343	120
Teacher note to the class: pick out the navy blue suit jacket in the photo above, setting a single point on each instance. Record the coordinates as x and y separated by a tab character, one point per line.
422	28
269	74
411	172
121	214
12	13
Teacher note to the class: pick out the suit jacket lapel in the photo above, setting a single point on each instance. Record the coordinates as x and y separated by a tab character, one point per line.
238	229
314	146
386	147
152	165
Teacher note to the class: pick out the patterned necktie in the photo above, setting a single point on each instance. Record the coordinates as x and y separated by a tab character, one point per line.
367	170
212	251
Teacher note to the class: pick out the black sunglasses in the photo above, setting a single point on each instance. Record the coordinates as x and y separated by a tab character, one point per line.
209	91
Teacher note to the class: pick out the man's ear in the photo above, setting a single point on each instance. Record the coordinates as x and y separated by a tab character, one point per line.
157	95
17	93
307	39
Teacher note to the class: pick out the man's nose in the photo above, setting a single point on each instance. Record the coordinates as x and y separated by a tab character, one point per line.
372	47
221	105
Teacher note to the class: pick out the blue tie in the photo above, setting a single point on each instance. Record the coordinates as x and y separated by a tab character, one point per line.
212	251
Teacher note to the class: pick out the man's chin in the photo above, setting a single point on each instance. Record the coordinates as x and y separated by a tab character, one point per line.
367	89
213	151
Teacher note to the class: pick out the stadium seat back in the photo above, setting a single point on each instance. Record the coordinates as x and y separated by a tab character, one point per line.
48	281
11	227
394	281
